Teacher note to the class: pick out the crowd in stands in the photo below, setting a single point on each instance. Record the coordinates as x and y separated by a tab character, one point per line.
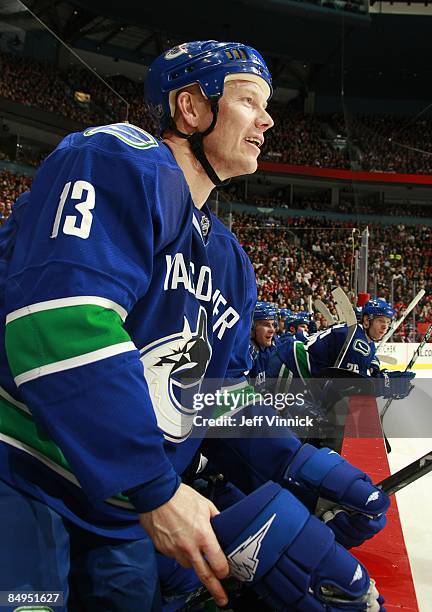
377	143
280	198
294	258
46	87
41	85
11	185
27	156
301	257
298	258
388	143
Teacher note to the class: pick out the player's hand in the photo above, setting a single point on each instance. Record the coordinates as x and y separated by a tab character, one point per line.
340	486
395	384
290	558
181	528
352	529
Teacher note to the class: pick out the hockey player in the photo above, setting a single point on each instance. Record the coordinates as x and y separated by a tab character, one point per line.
323	349
264	325
121	295
263	335
284	315
297	327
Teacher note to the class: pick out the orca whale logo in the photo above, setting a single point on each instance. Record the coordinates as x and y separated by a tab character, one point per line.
174	367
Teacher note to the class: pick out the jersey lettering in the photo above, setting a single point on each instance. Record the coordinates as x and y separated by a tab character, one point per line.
199	283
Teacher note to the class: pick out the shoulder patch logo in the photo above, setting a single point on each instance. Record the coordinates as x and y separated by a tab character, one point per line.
129	134
361	347
243	561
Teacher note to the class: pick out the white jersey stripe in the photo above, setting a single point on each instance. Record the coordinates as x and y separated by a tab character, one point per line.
75	362
57	468
79	300
13	401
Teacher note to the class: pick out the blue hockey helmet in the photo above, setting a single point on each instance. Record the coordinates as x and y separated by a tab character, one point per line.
285	313
264	311
305	315
209	64
298	318
358	313
378	308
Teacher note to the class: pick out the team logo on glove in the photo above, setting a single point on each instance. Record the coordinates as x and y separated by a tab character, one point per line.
243	561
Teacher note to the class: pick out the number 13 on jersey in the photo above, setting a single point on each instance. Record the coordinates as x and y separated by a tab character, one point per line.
76	225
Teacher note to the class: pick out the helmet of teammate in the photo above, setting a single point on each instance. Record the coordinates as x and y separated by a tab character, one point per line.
305	315
285	313
207	63
264	311
297	319
358	313
378	308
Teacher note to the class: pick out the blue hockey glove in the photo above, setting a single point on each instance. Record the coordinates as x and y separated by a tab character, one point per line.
290	558
332	479
395	384
353	529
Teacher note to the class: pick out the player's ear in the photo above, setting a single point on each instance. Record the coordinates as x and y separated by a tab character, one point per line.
189	105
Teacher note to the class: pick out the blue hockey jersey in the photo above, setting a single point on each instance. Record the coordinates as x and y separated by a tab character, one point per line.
106	269
305	360
323	350
117	303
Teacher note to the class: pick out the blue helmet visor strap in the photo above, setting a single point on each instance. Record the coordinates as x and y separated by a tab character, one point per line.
196	143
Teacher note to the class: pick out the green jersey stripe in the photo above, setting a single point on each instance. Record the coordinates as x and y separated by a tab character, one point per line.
74	362
301	359
5	395
77	300
18	429
57	335
20	425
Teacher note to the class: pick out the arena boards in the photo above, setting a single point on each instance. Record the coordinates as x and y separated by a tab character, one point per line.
400	557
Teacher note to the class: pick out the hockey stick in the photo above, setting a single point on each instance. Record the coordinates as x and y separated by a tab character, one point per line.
407	475
345	307
322	309
390	485
339	309
394	327
409	366
340	297
387	359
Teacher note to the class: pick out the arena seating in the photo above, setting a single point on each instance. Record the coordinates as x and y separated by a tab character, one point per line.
301	257
377	143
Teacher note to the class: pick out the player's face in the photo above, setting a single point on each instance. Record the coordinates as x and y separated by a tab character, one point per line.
264	332
234	145
377	327
302	327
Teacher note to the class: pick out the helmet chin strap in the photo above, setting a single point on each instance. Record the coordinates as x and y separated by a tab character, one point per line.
197	145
